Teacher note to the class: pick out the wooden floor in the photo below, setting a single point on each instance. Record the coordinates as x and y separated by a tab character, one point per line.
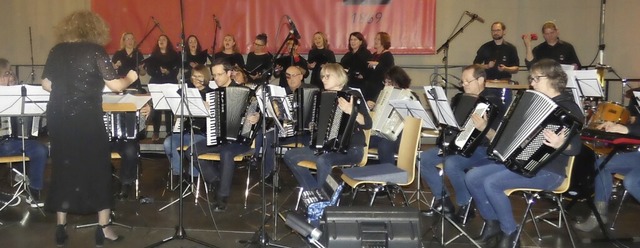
27	227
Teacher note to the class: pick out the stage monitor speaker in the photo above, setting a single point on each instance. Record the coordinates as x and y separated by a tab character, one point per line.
371	227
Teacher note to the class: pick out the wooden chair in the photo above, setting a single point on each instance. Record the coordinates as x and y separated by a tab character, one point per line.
531	194
10	160
246	156
388	176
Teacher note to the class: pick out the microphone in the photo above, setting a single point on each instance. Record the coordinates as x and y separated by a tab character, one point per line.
157	24
23	91
444	83
474	16
301	226
215	18
293	30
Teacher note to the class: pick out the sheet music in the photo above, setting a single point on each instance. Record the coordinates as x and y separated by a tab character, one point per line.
440	104
195	105
571	77
159	92
413	108
589	83
139	101
11	100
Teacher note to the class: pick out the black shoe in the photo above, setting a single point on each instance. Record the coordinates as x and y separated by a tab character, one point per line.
462	212
438	206
125	189
100	236
490	231
221	204
61	235
509	240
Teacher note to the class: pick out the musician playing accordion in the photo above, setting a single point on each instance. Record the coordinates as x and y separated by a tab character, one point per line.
488	182
220	175
624	163
334	78
455	165
295	77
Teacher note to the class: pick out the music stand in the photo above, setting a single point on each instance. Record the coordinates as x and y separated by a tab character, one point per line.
193	106
440	103
23	101
413	108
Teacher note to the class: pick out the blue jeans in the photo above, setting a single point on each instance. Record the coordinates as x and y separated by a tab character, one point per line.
268	155
171	145
488	183
324	164
455	169
37	153
222	171
387	149
623	163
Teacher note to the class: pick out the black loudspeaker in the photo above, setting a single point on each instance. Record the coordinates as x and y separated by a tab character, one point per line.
371	227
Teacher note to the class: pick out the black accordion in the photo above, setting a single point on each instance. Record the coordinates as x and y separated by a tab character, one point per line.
294	111
123	125
465	140
518	142
229	108
332	128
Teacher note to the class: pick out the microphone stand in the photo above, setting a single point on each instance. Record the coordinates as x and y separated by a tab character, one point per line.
445	47
261	237
215	41
180	232
33	70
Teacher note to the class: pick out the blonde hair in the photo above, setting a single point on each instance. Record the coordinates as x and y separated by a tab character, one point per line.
122	44
336	70
84	26
325	41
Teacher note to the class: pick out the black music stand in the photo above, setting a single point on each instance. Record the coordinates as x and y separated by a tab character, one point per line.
187	104
439	102
16	102
413	108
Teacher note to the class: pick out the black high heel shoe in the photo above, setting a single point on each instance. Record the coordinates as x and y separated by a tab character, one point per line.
100	237
61	235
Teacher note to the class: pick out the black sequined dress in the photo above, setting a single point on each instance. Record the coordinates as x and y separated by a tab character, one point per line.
80	153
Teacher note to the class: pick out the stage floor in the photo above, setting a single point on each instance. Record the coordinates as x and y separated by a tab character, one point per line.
23	226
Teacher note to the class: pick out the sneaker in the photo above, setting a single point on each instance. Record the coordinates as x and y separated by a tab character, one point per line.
8	199
34	199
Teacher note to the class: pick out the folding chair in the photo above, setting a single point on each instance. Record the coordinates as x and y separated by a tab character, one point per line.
388	176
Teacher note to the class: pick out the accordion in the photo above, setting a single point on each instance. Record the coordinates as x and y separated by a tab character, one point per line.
123	125
229	108
13	126
294	111
387	122
518	142
464	141
332	128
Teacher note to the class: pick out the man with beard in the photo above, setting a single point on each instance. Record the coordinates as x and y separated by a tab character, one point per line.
499	59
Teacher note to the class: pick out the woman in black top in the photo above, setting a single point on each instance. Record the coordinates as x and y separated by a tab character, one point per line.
230	51
195	56
380	63
163	67
128	58
334	79
259	62
76	71
319	55
355	61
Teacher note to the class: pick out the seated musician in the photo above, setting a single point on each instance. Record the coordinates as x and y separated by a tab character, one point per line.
36	151
284	62
487	183
334	78
387	149
624	163
220	175
295	76
200	77
455	165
